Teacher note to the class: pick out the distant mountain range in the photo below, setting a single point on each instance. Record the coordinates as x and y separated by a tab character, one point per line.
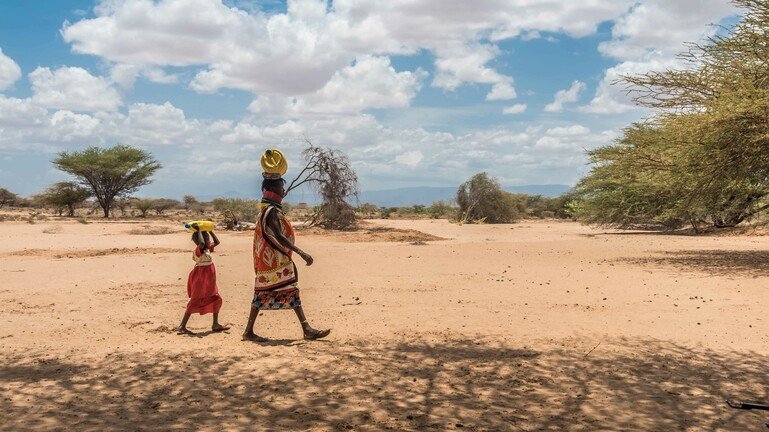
409	196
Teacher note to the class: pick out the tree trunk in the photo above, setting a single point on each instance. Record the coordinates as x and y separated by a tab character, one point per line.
694	224
106	205
71	208
729	222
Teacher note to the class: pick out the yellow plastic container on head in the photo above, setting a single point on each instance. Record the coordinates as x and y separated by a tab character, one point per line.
203	225
274	164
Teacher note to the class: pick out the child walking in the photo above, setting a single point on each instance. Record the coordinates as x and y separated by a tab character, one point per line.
201	284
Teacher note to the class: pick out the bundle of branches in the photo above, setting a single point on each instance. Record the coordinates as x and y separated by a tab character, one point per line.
330	174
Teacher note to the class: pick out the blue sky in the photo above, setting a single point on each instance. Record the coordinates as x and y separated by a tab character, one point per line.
417	93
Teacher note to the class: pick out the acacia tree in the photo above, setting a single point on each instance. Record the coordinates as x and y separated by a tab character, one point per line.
163	204
725	81
7	197
701	158
144	205
65	195
190	202
329	172
123	204
655	174
109	172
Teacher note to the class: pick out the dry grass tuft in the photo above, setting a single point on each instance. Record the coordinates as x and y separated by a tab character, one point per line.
372	234
152	230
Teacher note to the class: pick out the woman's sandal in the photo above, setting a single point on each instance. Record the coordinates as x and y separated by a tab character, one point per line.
317	334
254	338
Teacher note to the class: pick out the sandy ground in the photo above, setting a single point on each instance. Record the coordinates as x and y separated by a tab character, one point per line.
534	326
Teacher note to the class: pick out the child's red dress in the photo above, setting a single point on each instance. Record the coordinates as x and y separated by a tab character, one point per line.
201	284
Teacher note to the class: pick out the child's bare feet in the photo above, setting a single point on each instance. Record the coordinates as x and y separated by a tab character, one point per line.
219	328
183	331
253	337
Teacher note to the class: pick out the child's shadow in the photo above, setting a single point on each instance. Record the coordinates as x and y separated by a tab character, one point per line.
201	334
206	333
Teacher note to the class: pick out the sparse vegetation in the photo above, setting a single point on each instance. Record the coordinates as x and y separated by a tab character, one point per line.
64	195
523	206
152	230
109	172
161	205
123	204
701	158
442	210
332	175
236	210
144	205
482	199
7	197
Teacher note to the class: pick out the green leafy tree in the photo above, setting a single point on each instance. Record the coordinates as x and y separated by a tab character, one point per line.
367	210
190	201
701	158
163	204
235	210
109	172
144	205
7	197
482	199
65	195
656	175
387	212
193	205
123	204
441	210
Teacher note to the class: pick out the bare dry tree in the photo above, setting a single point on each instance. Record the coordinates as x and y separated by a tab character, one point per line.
329	172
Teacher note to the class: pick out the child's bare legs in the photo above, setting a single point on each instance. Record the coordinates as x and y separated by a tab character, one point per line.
216	326
183	325
249	334
309	332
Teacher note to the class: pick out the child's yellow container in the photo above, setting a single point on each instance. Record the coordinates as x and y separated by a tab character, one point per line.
203	225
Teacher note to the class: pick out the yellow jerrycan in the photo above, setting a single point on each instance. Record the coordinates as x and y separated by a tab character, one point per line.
203	225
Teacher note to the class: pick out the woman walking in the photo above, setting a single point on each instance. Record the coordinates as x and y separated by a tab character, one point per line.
275	285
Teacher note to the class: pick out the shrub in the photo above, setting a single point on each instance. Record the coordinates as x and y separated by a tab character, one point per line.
482	199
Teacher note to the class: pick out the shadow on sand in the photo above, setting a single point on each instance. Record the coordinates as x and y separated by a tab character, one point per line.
713	262
412	385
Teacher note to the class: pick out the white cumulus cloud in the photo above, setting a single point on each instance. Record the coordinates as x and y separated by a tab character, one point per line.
565	96
20	113
410	158
514	109
369	83
73	88
298	52
648	37
125	75
10	72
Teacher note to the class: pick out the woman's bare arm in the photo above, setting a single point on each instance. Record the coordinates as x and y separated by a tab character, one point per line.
274	224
